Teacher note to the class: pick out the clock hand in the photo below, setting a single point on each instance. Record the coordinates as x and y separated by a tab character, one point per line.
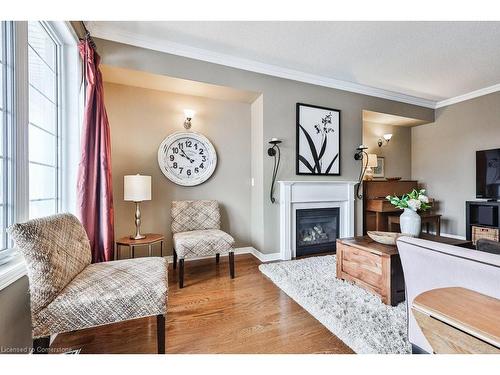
184	155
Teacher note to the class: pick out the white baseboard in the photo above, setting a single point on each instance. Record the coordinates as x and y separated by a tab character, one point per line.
239	250
265	257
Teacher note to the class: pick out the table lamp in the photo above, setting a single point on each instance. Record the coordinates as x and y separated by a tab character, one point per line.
137	188
370	163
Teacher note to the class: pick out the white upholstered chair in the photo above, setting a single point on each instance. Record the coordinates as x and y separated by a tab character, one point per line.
69	293
430	265
196	232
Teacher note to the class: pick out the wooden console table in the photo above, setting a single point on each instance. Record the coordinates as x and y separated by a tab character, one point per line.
458	320
427	219
376	207
377	267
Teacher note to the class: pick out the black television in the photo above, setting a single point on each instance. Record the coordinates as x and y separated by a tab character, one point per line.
488	174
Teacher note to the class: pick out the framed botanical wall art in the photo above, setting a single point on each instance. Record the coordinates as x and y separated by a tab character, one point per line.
318	140
379	170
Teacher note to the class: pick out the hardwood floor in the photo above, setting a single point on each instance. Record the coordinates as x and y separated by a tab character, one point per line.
214	314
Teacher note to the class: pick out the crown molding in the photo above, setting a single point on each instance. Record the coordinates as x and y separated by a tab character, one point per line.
468	96
116	34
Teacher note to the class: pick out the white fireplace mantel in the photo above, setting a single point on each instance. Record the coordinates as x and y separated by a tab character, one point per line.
296	195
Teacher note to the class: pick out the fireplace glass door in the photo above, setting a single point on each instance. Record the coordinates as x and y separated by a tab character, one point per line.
317	230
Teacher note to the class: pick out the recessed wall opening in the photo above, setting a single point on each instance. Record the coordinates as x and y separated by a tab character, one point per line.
388	136
143	109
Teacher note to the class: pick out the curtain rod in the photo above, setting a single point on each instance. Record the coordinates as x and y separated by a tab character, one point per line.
87	36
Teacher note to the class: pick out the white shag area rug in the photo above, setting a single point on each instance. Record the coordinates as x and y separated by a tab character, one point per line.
355	316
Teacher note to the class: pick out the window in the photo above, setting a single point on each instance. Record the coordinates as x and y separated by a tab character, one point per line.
3	128
39	127
5	134
44	140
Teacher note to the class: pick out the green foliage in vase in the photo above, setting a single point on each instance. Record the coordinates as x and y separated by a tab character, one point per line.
416	200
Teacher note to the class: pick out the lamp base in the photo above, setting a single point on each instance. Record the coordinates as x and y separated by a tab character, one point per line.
139	237
368	174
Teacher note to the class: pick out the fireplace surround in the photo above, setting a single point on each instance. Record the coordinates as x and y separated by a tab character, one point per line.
307	195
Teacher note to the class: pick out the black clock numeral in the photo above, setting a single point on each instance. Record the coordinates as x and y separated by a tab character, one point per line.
172	157
196	146
201	151
175	150
196	170
202	166
181	169
189	143
174	165
188	172
180	145
204	158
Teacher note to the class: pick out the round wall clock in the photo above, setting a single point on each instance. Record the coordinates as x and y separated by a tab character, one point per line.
187	158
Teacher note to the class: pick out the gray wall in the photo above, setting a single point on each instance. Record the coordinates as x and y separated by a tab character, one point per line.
279	99
443	154
396	153
140	119
15	318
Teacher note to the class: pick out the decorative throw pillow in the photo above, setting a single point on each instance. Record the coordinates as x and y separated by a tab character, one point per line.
56	249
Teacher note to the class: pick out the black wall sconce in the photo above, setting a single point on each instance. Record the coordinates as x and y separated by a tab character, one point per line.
360	155
275	152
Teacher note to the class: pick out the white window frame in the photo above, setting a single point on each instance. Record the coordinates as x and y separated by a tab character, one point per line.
70	109
7	114
58	103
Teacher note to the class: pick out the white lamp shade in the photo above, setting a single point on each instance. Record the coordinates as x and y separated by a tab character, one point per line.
372	160
137	188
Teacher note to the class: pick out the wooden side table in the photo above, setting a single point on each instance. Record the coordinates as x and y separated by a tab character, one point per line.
150	240
426	219
458	320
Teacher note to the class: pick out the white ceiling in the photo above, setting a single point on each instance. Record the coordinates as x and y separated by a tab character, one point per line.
434	61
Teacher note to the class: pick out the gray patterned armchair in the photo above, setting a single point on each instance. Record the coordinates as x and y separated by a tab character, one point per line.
196	232
69	293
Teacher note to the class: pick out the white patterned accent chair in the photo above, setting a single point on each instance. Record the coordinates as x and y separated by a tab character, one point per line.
196	232
69	293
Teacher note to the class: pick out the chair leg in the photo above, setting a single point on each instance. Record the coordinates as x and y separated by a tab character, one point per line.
160	333
41	345
175	259
181	273
231	264
217	258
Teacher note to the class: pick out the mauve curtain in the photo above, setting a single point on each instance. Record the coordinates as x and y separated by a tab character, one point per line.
94	187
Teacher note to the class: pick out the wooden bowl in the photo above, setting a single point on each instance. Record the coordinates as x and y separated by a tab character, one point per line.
386	238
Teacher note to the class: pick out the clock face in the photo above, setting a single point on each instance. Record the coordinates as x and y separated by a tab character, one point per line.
187	158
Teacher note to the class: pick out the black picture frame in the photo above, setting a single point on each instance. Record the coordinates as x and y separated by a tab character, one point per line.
306	159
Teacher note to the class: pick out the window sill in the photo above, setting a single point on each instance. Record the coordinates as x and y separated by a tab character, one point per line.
12	271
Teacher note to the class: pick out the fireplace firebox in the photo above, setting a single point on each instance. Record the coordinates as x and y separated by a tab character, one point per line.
317	230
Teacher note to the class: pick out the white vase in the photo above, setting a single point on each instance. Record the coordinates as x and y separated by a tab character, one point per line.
410	222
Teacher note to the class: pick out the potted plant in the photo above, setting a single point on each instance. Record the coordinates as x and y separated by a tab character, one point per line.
412	202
